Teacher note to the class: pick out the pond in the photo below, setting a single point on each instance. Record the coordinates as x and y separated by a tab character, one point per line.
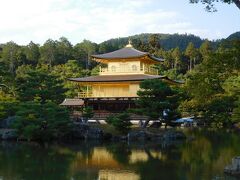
204	157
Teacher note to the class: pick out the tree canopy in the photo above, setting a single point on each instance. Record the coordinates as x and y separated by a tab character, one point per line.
210	4
157	100
39	84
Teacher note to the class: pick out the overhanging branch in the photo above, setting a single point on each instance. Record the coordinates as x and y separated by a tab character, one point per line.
237	3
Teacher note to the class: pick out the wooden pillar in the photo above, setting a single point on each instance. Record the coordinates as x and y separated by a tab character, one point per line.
98	90
87	92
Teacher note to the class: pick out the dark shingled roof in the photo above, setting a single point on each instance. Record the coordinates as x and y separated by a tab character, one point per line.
72	102
124	53
119	78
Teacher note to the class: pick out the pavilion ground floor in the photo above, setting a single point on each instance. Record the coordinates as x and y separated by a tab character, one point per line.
103	107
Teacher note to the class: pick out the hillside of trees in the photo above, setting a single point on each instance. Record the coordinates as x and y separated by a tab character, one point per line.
36	76
167	41
233	36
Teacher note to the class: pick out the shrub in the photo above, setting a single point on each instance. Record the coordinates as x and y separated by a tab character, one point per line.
8	105
87	113
42	121
120	122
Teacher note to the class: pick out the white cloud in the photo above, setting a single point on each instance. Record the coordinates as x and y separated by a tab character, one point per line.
26	20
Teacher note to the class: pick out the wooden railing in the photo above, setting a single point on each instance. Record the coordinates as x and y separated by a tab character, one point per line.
104	115
85	94
136	70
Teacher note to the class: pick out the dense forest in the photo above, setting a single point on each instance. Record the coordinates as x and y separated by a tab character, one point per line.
34	77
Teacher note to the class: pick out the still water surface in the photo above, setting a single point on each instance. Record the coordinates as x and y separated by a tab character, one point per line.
202	158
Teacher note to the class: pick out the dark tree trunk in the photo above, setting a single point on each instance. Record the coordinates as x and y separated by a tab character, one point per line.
145	123
140	123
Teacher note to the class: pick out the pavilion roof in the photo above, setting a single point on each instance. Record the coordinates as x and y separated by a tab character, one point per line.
126	53
120	78
72	102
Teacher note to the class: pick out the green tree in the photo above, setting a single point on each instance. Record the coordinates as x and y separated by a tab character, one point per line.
8	105
232	88
212	84
44	122
32	53
176	54
154	41
120	122
236	112
155	98
9	56
206	49
49	52
5	76
83	52
64	49
192	54
87	113
39	84
71	69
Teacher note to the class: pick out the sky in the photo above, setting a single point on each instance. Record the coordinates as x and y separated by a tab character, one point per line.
99	20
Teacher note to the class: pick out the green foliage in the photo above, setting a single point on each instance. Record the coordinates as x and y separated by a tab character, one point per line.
83	51
87	112
193	56
42	121
173	74
154	41
49	52
39	84
234	36
141	42
219	111
41	73
10	56
236	112
32	53
232	88
155	97
71	69
64	50
205	48
213	86
8	105
120	122
232	85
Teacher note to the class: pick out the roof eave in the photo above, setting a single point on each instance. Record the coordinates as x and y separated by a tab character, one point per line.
108	58
155	58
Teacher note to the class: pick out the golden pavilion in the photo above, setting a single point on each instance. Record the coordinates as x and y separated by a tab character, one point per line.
120	74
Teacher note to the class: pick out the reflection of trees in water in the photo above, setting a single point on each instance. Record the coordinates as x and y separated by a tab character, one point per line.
24	161
149	161
161	164
209	153
202	158
120	152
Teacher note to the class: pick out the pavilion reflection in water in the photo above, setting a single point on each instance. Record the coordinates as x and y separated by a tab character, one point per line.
104	163
117	175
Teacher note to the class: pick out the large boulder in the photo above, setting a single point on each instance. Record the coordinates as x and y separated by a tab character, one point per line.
84	131
234	168
156	124
138	136
8	134
6	123
173	135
